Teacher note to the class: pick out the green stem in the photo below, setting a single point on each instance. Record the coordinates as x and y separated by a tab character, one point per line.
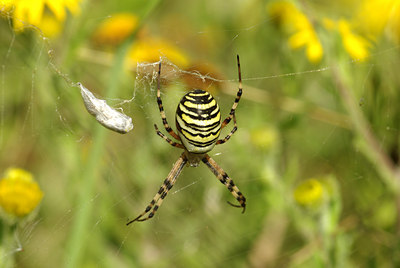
77	240
76	243
366	139
7	244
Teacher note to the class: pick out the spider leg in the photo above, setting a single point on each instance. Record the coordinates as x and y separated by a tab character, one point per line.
175	144
237	99
162	193
230	134
161	108
228	182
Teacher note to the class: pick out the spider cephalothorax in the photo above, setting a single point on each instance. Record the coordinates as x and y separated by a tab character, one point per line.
198	121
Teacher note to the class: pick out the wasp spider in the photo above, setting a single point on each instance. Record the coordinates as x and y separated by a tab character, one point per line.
198	121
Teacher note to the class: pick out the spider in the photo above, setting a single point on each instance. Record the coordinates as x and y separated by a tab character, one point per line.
198	121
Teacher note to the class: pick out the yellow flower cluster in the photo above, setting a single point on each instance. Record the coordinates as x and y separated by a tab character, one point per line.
145	48
355	45
19	192
371	18
303	33
33	12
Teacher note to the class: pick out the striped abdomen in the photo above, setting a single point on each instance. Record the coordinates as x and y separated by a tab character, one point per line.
198	121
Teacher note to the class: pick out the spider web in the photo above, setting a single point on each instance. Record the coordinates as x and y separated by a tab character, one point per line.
45	128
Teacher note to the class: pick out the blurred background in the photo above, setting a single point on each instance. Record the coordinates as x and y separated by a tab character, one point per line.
316	152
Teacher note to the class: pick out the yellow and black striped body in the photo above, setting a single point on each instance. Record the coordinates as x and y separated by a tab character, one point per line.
198	121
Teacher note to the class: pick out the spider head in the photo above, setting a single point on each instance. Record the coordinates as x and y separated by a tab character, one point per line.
193	158
198	121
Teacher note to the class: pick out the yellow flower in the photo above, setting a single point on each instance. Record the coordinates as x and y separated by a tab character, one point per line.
116	29
150	50
373	16
19	192
5	6
49	26
264	138
394	24
296	23
31	12
309	193
356	45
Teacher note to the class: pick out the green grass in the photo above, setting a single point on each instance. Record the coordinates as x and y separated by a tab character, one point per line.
337	123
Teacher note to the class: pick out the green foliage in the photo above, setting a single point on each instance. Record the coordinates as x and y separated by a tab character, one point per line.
296	121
